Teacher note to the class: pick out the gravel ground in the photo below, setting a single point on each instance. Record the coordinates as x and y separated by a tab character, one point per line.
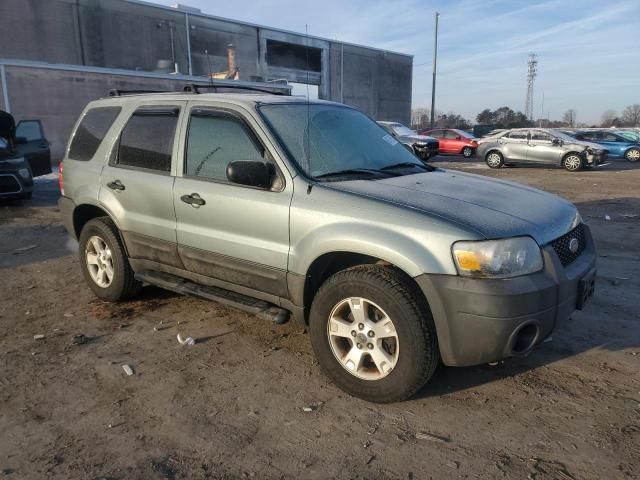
249	401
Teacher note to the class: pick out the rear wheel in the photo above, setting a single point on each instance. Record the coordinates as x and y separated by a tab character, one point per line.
373	335
572	162
633	154
104	262
494	159
467	152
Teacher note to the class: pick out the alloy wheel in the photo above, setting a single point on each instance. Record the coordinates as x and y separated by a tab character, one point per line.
572	162
493	159
633	155
99	261
363	338
467	152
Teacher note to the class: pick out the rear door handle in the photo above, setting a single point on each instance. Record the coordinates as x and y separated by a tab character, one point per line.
116	185
194	200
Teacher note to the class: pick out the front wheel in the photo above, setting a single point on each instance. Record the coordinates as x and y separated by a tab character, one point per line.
494	160
572	162
373	335
104	262
467	152
633	154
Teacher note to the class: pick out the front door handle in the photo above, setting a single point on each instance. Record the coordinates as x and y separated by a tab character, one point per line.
194	200
116	185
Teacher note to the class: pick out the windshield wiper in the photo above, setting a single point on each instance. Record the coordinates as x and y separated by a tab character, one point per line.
405	164
352	171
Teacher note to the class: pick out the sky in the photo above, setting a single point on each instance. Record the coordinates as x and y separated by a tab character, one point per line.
588	50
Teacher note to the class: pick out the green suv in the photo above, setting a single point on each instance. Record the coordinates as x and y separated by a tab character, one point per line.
282	207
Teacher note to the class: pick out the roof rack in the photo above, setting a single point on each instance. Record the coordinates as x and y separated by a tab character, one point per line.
119	93
194	88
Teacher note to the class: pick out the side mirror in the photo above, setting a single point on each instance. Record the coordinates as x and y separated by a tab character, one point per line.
556	141
458	137
250	173
21	140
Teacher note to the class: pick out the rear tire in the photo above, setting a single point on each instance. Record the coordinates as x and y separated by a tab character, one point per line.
390	365
572	162
101	251
632	155
494	159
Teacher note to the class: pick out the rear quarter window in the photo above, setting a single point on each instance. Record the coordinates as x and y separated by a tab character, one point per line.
89	135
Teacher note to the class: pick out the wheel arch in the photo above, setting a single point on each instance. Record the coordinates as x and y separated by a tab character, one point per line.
86	212
570	152
330	263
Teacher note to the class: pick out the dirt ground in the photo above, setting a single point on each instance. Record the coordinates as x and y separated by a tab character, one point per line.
236	405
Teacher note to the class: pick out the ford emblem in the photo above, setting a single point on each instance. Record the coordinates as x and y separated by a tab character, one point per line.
574	245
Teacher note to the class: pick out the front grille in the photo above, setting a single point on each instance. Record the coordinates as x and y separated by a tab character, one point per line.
561	245
9	184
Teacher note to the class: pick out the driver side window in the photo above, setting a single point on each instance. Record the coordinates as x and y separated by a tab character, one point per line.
216	139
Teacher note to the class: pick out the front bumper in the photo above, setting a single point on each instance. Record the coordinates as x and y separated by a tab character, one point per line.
426	150
596	158
13	185
485	320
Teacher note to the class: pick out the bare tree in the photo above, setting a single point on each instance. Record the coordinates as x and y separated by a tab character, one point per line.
569	117
631	116
608	118
420	118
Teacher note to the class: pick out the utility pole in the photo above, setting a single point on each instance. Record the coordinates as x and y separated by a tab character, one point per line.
532	71
435	59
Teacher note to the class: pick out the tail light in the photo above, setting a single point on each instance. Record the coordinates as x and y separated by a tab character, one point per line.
61	178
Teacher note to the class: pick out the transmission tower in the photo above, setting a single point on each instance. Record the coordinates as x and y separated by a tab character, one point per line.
531	75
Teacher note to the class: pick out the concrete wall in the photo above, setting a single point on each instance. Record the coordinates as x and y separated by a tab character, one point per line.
122	34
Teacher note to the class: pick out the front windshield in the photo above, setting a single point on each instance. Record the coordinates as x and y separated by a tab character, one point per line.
402	130
326	139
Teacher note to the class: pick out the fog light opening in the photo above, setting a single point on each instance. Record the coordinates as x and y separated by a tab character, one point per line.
525	339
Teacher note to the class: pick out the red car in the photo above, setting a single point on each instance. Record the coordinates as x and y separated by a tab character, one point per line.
453	141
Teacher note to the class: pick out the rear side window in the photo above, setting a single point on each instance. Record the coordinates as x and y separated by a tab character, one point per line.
518	135
146	141
91	131
216	139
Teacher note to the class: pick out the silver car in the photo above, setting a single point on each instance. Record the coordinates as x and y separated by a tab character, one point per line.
282	207
539	146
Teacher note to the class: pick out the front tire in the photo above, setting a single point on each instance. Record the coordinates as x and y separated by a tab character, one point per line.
494	159
572	162
104	263
632	155
373	334
467	152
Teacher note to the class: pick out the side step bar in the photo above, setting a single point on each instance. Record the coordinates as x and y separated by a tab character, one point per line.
259	308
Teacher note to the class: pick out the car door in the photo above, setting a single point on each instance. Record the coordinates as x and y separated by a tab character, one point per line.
542	149
439	135
615	144
31	142
137	183
515	145
454	142
236	234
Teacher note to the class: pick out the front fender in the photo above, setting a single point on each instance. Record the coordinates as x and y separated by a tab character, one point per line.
394	247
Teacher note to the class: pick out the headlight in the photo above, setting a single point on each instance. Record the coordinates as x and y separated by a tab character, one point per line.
24	173
14	161
504	258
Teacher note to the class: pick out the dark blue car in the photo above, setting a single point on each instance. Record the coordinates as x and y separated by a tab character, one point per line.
618	145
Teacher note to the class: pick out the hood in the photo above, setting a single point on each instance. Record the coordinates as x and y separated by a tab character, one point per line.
419	139
7	126
582	143
492	208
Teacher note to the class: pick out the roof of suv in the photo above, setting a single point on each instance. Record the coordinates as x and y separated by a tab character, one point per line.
245	99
